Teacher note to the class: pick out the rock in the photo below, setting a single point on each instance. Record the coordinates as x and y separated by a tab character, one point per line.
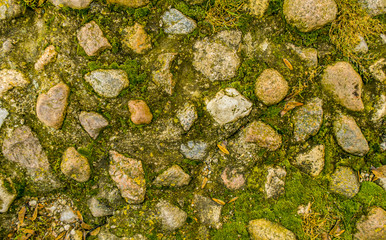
349	136
263	135
232	179
7	193
271	87
3	115
129	177
172	177
10	78
7	46
344	84
130	3
309	15
75	4
263	229
162	76
208	211
311	162
140	112
228	106
48	56
257	7
107	82
308	119
68	216
381	181
136	38
372	226
229	38
75	166
51	106
187	116
195	150
177	23
93	123
99	209
171	216
344	181
309	55
362	46
91	39
379	109
10	9
374	7
378	70
274	186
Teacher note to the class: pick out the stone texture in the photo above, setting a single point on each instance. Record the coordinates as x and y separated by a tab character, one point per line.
136	38
257	7
7	193
308	55
162	76
177	23
344	84
372	226
75	166
140	112
311	162
195	150
130	3
309	15
378	70
228	106
107	82
229	38
379	109
349	135
93	123
233	179
75	4
172	177
48	56
10	9
362	46
274	186
51	106
271	87
10	78
171	216
3	115
374	7
98	209
344	181
308	119
208	211
187	116
263	135
92	40
129	177
260	229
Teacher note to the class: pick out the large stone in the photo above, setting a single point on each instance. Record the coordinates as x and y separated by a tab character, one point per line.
263	135
98	209
187	115
378	70
208	211
311	14
228	106
344	181
48	56
129	177
232	178
93	123
257	7
374	7
177	23
372	226
311	162
349	135
136	38
196	150
308	119
162	75
140	112
171	216
10	9
172	177
271	87
274	185
130	3
75	166
92	40
107	82
51	106
344	84
75	4
10	78
260	229
7	193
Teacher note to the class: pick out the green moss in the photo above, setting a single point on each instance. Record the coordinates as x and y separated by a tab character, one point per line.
371	194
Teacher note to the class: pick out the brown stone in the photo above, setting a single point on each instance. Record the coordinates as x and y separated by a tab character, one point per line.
75	166
137	39
372	226
48	56
172	177
92	40
93	123
263	135
140	112
271	87
232	179
130	3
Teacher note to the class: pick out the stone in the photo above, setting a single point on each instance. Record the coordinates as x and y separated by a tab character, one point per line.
378	70
309	55
172	177
10	78
308	119
229	38
344	84
107	83
140	112
68	216
92	40
381	176
372	226
162	76
257	7
228	106
177	23
3	115
171	216
75	166
274	186
130	3
187	116
48	56
10	9
7	46
233	179
208	211
98	209
349	135
136	38
75	4
263	135
374	7
260	229
362	46
51	106
311	162
7	193
379	109
344	181
271	87
309	15
195	150
129	177
93	123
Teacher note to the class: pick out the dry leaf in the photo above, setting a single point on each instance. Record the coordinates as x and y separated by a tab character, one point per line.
79	216
222	149
233	199
289	106
86	226
35	214
218	201
95	231
204	182
288	64
61	235
21	215
30	231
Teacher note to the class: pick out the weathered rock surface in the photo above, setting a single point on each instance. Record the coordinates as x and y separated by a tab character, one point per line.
140	112
378	70
107	82
162	75
229	38
379	109
98	209
92	40
274	186
177	23
257	7
75	166
172	177
362	46
10	78
10	9
130	3
3	115
372	226
93	123
196	150
344	181
171	216
308	119
374	7
309	55
7	193
48	56
51	106
263	229
311	162
75	4
187	116
136	38
233	179
263	135
208	212
271	87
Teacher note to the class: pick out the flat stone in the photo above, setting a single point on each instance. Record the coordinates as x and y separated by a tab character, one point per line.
378	70
208	211
10	78
7	193
187	116
257	7
107	82
172	177
92	40
177	23
10	9
93	123
263	135
75	4
136	38
349	135
98	209
344	84
228	106
311	162
171	216
344	181
48	56
75	166
372	226
374	7
309	15
274	185
130	3
140	112
51	106
263	229
129	177
3	115
233	179
379	109
308	119
162	76
271	87
195	150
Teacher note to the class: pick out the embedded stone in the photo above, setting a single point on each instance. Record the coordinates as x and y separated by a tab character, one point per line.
107	82
378	70
344	181
271	87
129	3
274	185
93	123
311	162
257	7
260	229
10	78
195	150
208	211
308	55
162	76
362	46
374	7
10	9
3	115
263	135
140	112
229	38
172	177
171	216
233	179
187	116
136	38
308	119
75	166
92	40
7	193
177	23
379	109
372	226
75	4
48	56
98	209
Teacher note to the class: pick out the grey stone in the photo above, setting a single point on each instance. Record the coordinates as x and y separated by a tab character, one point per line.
162	75
93	123
372	226
171	216
374	7
378	70
7	193
3	115
10	78
187	116
107	82
10	9
263	229
263	135
177	23
75	166
344	181
98	209
7	46
379	109
274	185
308	119
257	7
196	150
75	4
68	216
229	38
362	46
271	87
311	162
208	211
172	177
91	39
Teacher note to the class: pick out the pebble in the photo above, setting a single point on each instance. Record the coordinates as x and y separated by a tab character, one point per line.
129	3
10	78
7	193
172	177
372	226
93	123
379	109
274	185
107	82
136	38
10	9
177	23
374	7
344	181
311	162
187	116
208	211
171	216
162	76
48	56
98	209
75	166
195	150
264	229
377	70
68	216
233	179
92	40
308	119
140	112
271	87
75	4
257	7
263	135
3	115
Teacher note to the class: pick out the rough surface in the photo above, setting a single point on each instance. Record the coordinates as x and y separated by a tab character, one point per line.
177	23
311	162
372	226
136	38
196	150
187	115
92	40
308	55
140	112
374	7
378	70
7	193
257	7
274	185
172	177
75	4
344	181
308	120
107	82
263	135
264	229
48	56
271	87
75	166
379	109
233	179
99	209
3	115
171	216
162	76
10	78
10	9
208	212
93	123
130	3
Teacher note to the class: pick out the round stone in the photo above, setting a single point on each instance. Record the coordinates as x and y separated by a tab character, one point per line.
271	87
140	112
